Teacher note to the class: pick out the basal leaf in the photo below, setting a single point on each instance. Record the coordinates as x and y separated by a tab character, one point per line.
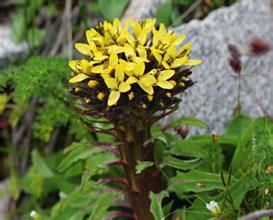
195	181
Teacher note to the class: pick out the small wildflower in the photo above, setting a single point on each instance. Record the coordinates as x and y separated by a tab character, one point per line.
214	208
34	215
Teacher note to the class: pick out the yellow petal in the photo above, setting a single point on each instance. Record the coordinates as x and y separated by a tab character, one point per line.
193	62
84	49
179	39
139	69
179	62
165	65
171	53
148	80
147	89
98	69
131	80
142	52
185	50
129	51
115	49
162	28
124	87
111	83
165	74
73	65
136	26
113	60
78	78
113	98
165	84
91	35
119	73
156	54
142	37
84	66
128	66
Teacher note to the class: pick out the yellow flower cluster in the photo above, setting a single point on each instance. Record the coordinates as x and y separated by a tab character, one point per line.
120	57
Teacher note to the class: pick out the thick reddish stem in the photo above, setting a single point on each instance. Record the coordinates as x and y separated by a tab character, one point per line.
133	136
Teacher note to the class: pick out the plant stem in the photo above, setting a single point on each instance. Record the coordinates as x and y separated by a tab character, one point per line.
132	136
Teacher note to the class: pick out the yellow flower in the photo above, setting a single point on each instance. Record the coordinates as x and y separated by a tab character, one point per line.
162	79
172	59
83	67
136	55
108	66
116	85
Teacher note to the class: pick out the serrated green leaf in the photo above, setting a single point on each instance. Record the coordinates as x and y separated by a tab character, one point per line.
189	121
142	165
179	163
79	152
156	208
112	9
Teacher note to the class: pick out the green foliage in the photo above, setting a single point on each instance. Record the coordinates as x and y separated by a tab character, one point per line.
23	23
142	165
42	80
189	121
112	9
156	201
234	169
175	12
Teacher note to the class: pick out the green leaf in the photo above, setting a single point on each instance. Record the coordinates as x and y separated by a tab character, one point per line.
190	147
142	165
101	207
195	181
185	2
79	152
179	163
164	12
189	121
156	208
35	36
3	102
157	134
238	126
241	128
40	165
112	9
18	27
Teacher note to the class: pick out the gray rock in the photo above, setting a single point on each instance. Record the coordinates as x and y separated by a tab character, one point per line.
214	97
139	9
9	50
